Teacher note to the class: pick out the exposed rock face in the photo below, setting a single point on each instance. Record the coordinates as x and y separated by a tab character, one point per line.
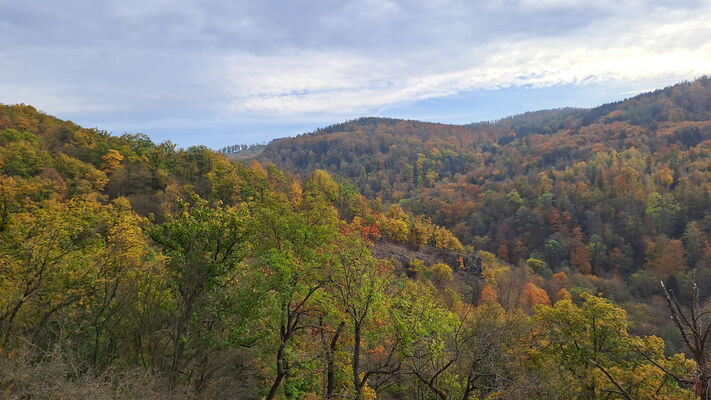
469	262
462	264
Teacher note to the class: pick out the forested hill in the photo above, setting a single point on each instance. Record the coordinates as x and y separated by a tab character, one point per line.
130	269
616	189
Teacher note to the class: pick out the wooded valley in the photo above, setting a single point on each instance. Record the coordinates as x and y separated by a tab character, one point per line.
378	258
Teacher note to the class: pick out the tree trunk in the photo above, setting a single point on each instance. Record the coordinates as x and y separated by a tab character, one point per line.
357	382
280	372
11	320
181	327
695	333
331	369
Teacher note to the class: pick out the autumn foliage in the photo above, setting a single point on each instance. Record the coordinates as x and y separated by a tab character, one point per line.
141	270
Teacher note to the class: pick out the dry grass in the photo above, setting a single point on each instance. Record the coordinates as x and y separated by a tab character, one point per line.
57	375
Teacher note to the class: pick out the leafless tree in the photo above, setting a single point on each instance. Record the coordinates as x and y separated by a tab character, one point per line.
694	327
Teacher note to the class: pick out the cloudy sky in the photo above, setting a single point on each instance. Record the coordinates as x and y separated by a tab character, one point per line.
220	72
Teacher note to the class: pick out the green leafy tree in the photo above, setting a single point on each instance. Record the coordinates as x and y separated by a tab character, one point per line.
359	284
472	356
292	253
205	247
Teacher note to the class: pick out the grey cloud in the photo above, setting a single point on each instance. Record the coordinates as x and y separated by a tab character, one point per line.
176	60
259	26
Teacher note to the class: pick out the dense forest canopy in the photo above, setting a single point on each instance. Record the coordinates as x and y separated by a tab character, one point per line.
620	191
373	259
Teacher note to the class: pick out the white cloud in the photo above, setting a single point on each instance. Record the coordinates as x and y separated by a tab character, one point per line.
352	82
172	61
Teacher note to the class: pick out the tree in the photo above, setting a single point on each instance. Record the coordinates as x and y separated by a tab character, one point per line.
393	225
664	256
441	273
536	265
580	259
359	284
225	182
472	356
597	357
45	262
694	327
74	265
563	294
694	240
533	295
662	209
554	253
444	239
205	247
488	294
112	160
8	192
122	266
292	253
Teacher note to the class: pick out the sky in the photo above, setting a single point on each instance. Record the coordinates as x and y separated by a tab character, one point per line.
221	72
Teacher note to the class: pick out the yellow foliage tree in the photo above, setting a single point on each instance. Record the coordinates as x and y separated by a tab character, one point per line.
296	193
593	354
394	229
444	239
441	273
420	232
111	160
535	264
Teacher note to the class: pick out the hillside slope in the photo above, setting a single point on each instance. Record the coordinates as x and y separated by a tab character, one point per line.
605	190
130	269
147	265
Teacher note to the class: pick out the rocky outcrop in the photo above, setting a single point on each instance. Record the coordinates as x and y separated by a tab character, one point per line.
466	265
